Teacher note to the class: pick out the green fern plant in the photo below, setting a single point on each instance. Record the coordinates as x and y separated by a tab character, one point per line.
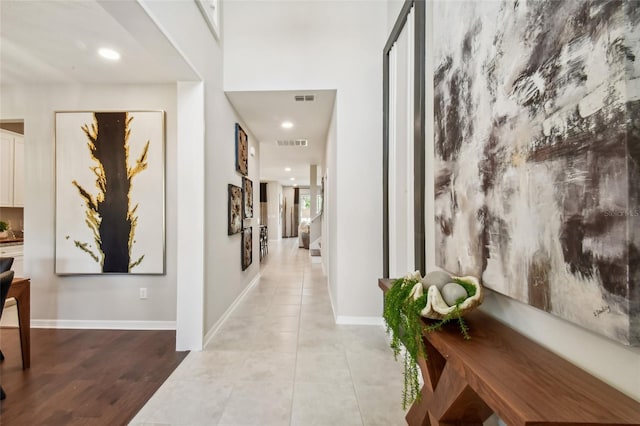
402	317
404	324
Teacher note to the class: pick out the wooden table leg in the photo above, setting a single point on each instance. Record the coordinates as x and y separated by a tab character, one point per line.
446	398
24	318
418	414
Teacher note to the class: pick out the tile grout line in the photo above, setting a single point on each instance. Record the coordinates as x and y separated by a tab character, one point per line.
295	365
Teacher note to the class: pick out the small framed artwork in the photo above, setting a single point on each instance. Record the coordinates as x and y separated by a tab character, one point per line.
247	205
235	209
247	247
211	12
242	151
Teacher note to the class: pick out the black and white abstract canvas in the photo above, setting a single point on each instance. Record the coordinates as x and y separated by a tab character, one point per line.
537	146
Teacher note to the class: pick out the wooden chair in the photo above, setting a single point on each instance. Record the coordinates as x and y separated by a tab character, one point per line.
5	265
5	283
264	241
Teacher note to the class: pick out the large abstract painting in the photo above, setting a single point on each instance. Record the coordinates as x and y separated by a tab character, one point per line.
109	192
537	147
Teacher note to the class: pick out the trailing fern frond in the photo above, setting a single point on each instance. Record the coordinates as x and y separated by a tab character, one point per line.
464	328
404	323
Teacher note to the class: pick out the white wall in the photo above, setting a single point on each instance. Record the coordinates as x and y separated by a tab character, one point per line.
274	195
327	45
393	10
615	364
99	301
223	275
329	248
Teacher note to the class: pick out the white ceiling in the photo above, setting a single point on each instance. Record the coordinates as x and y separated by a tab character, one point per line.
264	112
46	41
57	41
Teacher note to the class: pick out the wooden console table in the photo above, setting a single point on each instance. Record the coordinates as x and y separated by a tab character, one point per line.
501	371
20	289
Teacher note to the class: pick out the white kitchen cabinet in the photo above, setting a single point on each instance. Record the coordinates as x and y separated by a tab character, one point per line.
15	251
18	171
6	169
11	169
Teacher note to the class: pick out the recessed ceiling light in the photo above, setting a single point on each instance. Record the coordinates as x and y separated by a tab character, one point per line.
292	178
109	54
287	169
295	184
287	124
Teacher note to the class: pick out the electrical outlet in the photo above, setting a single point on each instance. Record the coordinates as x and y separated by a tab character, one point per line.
143	293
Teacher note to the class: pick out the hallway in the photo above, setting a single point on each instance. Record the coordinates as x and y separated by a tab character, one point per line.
280	359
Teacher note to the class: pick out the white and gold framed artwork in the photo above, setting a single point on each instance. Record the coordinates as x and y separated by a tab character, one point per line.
110	192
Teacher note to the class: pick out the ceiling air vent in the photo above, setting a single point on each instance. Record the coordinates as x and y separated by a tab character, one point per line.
305	98
293	142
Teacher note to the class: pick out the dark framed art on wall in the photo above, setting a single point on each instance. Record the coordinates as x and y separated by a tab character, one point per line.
247	247
235	209
247	193
242	151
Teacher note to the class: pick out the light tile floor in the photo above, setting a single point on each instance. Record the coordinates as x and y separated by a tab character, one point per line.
280	359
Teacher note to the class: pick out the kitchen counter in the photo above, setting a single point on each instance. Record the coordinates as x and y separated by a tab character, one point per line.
11	241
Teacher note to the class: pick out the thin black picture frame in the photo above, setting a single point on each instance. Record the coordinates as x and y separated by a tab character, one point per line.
419	132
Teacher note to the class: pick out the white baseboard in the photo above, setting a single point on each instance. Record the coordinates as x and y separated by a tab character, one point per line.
347	320
216	327
104	325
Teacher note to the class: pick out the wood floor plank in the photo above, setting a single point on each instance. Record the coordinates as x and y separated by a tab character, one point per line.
83	377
